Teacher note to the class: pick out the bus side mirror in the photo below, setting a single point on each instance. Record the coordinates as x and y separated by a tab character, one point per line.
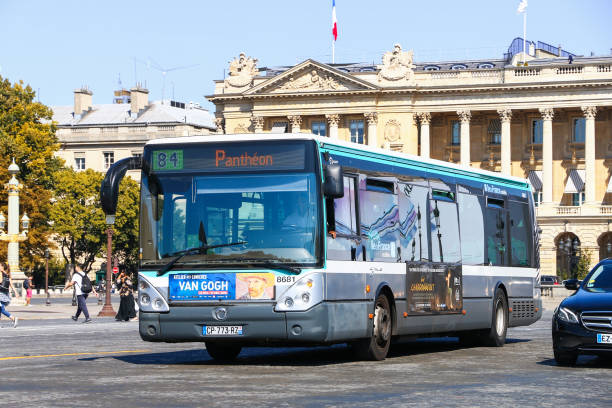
333	186
109	189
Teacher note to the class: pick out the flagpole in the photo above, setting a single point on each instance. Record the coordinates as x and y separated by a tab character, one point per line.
524	35
333	52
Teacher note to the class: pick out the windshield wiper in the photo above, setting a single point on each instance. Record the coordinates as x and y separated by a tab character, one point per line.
191	251
272	264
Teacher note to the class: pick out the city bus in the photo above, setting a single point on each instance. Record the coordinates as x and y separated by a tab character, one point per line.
296	239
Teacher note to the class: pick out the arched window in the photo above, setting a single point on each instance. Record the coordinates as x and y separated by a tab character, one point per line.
605	245
431	68
459	66
568	254
486	65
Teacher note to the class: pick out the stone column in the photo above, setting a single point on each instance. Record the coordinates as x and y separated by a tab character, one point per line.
296	122
333	120
258	123
372	118
547	155
424	121
589	153
219	124
464	117
505	115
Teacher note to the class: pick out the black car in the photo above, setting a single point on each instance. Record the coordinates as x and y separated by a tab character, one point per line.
582	324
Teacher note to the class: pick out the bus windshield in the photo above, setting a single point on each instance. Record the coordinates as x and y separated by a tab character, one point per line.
246	218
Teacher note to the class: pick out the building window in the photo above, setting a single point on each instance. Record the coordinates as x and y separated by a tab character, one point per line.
356	127
537	198
318	128
494	131
485	65
79	161
455	133
137	154
431	68
459	66
109	159
576	199
579	129
536	131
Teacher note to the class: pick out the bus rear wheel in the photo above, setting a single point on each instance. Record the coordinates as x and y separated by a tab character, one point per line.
377	347
496	336
223	352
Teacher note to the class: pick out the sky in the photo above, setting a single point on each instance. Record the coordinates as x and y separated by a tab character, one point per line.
58	46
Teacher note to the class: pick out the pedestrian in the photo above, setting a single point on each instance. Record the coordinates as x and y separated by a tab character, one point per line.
77	282
28	285
6	286
126	293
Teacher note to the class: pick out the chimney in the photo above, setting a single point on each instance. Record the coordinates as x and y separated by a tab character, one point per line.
139	99
82	100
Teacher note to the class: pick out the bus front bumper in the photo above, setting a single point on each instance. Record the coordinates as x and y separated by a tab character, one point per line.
324	323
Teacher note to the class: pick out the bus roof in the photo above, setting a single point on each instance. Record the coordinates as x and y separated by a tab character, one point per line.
349	146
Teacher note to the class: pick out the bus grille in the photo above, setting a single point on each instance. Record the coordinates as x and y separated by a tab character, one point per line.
597	321
523	309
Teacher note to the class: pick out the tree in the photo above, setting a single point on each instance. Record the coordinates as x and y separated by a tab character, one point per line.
28	136
125	240
78	220
583	266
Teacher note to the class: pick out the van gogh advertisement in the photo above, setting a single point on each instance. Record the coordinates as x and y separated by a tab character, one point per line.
433	288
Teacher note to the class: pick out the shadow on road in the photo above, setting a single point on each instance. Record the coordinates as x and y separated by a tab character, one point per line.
290	356
583	362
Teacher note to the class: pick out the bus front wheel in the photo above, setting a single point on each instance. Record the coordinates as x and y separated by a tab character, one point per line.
377	346
223	352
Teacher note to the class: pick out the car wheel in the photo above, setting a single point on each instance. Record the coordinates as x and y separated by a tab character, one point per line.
496	336
377	346
223	352
565	358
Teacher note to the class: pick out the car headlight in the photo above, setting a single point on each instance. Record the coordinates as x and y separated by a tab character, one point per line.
149	297
302	295
567	315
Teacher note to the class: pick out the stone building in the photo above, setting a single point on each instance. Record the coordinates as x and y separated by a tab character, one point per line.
95	136
545	115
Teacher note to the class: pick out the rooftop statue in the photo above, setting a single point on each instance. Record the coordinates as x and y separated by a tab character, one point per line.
397	65
242	70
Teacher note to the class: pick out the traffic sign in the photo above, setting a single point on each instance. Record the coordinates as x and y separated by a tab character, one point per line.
115	270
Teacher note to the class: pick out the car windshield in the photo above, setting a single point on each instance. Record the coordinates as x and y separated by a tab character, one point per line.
237	219
600	280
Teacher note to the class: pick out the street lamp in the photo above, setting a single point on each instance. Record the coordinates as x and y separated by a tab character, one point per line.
48	301
107	309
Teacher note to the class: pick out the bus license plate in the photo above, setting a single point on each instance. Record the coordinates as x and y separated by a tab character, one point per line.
222	330
604	338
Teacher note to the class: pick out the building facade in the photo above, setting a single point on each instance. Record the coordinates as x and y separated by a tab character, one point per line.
95	136
545	115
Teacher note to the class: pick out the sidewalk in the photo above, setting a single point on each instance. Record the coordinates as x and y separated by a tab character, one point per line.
59	309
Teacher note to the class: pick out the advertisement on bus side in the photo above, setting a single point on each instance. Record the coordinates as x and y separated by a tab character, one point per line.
433	288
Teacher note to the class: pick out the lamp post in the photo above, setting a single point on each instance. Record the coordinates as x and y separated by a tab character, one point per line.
107	309
12	236
48	301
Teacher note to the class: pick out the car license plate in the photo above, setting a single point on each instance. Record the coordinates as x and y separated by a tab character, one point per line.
604	338
222	330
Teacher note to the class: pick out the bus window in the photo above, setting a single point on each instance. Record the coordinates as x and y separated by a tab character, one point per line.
471	221
444	226
342	220
414	239
520	234
496	233
378	212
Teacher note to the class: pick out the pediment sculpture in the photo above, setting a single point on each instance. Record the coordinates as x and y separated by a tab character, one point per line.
397	65
242	70
312	81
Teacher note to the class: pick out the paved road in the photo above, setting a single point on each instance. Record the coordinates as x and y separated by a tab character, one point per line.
59	363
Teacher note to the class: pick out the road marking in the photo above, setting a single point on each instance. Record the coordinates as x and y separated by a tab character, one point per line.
73	354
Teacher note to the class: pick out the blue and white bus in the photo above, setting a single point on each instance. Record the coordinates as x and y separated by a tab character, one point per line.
252	240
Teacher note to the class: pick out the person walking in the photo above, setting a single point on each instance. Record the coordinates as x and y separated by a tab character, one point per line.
28	285
77	282
6	286
126	310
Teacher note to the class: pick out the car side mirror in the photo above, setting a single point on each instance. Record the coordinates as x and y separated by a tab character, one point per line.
333	186
571	284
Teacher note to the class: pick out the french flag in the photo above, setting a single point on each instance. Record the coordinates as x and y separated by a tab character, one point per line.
334	21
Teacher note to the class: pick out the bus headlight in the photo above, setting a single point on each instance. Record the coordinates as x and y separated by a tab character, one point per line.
149	297
302	295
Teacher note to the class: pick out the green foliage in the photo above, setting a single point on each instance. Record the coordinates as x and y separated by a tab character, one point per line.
28	136
583	266
125	238
56	273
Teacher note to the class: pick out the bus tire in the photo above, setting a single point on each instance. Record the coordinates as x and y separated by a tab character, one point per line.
377	346
223	352
496	335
